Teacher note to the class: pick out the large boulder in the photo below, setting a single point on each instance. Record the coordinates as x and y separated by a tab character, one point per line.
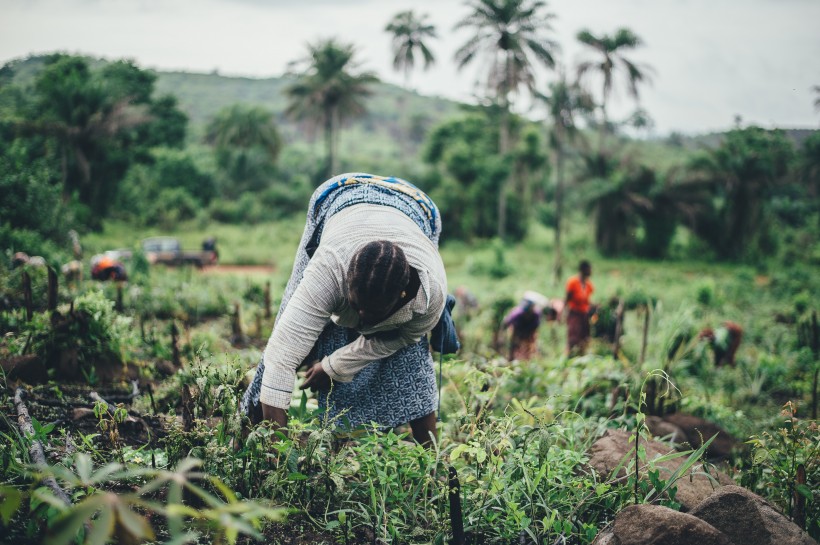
747	519
656	525
697	431
660	428
613	449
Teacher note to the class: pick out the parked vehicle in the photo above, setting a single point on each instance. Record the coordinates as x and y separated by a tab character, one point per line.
168	251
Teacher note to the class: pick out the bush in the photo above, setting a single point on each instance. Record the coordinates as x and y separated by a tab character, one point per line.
775	461
706	293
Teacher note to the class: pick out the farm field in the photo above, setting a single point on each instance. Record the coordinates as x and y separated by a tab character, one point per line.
133	393
156	170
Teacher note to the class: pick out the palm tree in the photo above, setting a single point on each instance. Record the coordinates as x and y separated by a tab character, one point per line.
240	126
816	89
327	90
609	59
511	36
743	172
246	143
563	102
409	33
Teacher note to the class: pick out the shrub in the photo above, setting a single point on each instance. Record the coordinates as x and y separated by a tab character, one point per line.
705	294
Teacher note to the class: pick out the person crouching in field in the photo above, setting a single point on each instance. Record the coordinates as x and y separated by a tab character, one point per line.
725	340
579	289
367	285
524	320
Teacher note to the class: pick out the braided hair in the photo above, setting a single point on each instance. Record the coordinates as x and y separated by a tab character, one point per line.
378	273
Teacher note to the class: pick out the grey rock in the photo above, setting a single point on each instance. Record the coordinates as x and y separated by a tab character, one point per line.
697	431
747	519
612	450
656	525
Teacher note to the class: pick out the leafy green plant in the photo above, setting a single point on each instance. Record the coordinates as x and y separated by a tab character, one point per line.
104	513
777	457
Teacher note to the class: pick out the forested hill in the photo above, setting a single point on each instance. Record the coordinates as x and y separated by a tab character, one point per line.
391	111
202	95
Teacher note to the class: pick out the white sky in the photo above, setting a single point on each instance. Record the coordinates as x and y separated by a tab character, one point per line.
714	59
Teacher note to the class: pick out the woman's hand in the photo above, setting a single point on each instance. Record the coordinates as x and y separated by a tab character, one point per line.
275	415
316	378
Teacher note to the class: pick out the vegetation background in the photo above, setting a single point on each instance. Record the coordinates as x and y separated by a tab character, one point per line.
685	232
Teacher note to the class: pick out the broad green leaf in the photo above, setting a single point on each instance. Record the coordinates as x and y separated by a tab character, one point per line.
136	525
229	494
82	462
69	524
10	500
805	491
101	528
456	453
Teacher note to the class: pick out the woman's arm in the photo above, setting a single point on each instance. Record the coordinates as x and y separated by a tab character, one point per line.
297	328
344	363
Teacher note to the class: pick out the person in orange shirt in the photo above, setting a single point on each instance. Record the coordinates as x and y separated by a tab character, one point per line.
579	289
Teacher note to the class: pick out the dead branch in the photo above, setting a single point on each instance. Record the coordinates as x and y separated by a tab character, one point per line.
36	449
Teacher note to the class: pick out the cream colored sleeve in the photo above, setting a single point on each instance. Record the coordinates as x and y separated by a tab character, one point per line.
298	327
345	362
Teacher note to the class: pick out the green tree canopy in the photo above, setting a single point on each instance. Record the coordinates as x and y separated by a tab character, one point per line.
564	102
247	144
743	172
510	36
328	90
469	172
93	125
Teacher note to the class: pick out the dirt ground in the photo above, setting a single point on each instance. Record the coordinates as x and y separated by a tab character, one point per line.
239	269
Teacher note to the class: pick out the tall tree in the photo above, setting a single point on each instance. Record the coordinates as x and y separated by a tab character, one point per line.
744	172
609	61
564	102
246	143
329	89
816	89
409	35
93	118
511	35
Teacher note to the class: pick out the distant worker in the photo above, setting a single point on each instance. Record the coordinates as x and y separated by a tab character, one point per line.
209	245
579	290
523	320
466	301
724	341
105	267
22	258
76	248
73	271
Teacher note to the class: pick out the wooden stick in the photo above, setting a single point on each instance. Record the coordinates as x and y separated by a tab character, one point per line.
175	359
52	289
645	335
815	347
456	517
619	318
27	296
36	449
118	306
151	397
267	300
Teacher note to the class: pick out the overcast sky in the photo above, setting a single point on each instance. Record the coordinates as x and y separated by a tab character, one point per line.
714	59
